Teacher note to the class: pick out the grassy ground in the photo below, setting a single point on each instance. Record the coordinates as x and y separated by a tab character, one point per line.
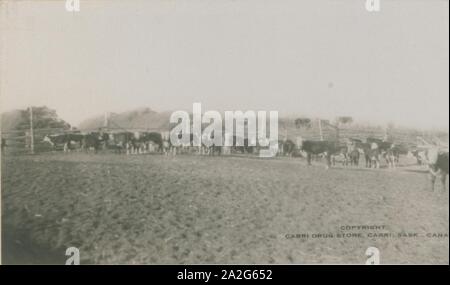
193	209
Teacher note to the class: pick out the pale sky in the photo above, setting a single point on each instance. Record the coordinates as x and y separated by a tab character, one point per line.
320	58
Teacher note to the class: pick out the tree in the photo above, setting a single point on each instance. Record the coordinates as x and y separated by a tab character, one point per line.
344	120
302	123
43	118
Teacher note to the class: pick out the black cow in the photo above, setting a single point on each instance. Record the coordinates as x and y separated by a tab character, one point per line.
418	154
66	140
136	144
133	143
286	147
439	167
320	147
351	152
119	141
93	141
354	149
373	149
140	143
169	148
210	147
353	156
366	150
341	155
382	145
153	137
372	155
103	138
245	148
392	154
192	148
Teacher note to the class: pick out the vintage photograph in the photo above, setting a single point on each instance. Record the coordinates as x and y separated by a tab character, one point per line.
263	132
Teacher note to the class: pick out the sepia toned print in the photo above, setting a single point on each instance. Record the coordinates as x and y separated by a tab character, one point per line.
224	132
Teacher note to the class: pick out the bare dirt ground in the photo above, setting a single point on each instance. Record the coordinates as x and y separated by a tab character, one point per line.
152	209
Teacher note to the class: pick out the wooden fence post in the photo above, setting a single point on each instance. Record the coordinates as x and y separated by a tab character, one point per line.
320	130
31	131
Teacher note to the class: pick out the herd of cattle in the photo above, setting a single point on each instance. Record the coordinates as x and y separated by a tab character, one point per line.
136	143
349	153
